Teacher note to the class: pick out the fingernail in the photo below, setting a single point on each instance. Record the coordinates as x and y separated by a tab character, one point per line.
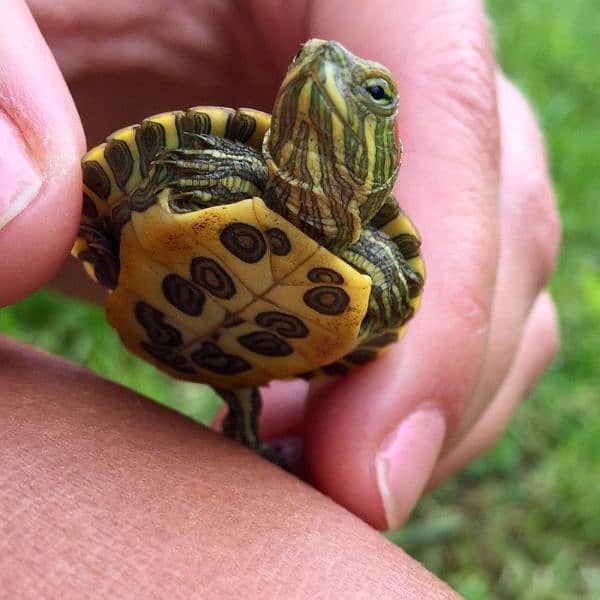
20	181
405	461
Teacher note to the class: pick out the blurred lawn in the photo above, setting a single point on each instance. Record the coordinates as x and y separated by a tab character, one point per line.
524	521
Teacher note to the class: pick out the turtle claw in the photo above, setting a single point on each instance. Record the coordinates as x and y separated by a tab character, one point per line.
286	453
273	455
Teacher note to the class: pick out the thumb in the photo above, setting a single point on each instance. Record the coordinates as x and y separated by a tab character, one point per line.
41	141
373	438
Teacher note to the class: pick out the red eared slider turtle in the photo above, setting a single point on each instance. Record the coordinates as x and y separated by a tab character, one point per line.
241	247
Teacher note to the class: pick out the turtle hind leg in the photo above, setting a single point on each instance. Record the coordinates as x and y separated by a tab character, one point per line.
241	422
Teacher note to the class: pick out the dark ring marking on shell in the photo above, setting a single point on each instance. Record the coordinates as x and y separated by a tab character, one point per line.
408	244
385	339
407	316
158	331
178	121
212	358
118	156
241	127
194	121
327	300
89	208
120	215
141	199
278	241
95	177
232	321
207	273
169	357
387	213
106	266
265	343
102	252
306	375
324	275
244	241
150	139
286	325
183	294
415	284
336	368
360	356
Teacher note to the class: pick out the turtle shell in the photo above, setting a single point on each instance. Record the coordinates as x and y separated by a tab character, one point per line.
233	295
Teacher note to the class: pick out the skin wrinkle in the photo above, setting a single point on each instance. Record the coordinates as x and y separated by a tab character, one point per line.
464	70
73	15
21	107
146	37
172	49
77	34
20	103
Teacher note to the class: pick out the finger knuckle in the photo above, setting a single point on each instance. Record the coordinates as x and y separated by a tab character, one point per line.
536	208
539	345
547	332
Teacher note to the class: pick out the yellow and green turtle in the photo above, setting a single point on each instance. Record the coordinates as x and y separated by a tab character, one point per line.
241	247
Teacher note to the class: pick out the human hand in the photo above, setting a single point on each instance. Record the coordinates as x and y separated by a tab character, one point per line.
474	181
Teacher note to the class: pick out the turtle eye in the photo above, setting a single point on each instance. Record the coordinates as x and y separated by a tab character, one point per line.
379	90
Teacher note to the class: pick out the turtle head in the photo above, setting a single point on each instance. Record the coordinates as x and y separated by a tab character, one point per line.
332	150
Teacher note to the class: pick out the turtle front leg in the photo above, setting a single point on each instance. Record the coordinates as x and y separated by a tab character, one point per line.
241	422
394	285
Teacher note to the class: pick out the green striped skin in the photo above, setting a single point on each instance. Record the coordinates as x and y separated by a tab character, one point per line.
326	161
331	150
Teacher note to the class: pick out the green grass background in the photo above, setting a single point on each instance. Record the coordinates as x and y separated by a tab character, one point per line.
524	521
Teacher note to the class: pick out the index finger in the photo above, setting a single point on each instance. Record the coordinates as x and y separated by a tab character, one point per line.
41	143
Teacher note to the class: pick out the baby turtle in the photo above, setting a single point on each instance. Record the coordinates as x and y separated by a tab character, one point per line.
241	247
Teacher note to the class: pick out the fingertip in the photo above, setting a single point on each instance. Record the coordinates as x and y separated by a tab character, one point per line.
39	173
380	479
371	447
405	460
